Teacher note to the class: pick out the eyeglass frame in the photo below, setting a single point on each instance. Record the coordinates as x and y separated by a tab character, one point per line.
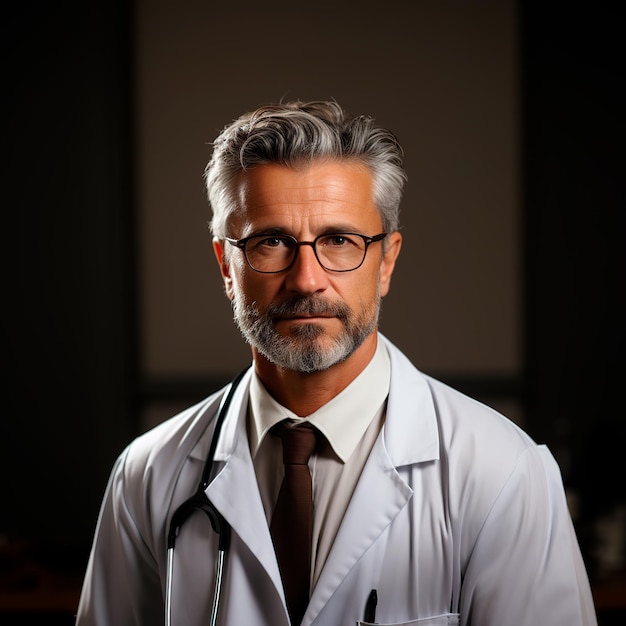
241	244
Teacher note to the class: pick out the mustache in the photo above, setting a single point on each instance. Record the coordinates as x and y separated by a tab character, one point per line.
310	305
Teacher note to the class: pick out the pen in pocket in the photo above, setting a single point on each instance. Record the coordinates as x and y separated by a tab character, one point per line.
370	607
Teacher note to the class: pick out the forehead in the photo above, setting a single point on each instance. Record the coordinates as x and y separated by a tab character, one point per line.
317	195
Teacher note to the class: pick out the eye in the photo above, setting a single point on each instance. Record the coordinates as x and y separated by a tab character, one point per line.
338	240
271	242
266	243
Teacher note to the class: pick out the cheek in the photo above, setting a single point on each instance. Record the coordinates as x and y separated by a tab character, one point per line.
360	295
372	285
249	286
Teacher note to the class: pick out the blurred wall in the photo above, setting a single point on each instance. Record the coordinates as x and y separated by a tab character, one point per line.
444	76
67	331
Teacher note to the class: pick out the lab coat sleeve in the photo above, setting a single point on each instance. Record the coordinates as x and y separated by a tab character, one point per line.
525	568
122	584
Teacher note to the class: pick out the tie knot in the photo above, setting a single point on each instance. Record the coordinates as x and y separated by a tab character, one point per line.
299	443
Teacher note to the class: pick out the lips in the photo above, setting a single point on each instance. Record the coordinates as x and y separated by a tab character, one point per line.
309	317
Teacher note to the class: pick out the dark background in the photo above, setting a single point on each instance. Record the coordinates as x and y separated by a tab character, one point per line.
70	384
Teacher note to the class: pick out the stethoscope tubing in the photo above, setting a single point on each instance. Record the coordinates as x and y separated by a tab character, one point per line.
168	587
200	502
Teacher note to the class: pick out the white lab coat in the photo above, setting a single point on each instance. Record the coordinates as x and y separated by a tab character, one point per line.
457	513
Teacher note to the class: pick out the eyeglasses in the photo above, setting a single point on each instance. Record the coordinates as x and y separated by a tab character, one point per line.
335	252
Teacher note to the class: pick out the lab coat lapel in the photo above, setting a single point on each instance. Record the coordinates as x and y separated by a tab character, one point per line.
235	493
410	436
365	519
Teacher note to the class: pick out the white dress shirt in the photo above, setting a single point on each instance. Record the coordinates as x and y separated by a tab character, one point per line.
350	422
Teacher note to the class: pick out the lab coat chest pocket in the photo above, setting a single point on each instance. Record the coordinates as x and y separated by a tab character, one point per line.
449	619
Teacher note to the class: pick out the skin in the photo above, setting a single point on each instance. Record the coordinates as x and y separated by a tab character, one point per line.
305	202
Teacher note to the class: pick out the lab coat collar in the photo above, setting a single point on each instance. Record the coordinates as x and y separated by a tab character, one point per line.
237	412
411	433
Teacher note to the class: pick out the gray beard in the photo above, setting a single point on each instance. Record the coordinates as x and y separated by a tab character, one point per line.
300	351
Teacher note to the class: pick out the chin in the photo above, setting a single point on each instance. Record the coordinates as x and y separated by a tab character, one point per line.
306	331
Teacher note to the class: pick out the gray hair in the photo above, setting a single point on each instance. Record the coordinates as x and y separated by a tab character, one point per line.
298	133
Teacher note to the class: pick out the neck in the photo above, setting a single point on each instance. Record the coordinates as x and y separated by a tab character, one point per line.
305	393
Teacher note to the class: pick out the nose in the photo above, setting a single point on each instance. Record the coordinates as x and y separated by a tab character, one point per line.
306	276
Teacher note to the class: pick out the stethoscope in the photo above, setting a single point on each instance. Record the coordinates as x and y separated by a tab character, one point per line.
200	502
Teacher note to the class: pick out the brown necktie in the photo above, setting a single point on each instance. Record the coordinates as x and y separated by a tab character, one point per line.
292	522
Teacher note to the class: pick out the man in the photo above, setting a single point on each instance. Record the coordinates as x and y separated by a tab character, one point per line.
427	507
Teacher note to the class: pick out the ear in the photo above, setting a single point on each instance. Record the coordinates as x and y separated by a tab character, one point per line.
218	248
392	250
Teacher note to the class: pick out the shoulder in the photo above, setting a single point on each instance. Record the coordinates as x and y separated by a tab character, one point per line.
477	448
459	422
474	461
153	468
482	451
161	450
464	421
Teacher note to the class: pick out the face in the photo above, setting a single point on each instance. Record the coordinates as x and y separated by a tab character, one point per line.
306	318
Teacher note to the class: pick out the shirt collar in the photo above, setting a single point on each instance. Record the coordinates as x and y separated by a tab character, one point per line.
343	420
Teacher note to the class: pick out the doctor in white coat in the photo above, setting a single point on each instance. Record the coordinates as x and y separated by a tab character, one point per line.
444	508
